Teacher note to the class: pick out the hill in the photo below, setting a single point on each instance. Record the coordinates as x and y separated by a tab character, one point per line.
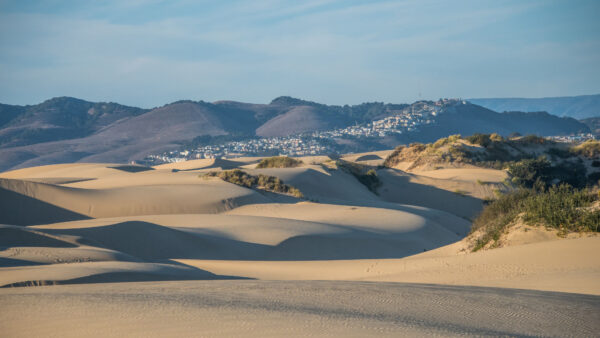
593	123
59	118
63	130
570	161
578	107
468	119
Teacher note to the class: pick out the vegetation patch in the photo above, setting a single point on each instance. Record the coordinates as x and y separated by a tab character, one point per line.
589	149
364	174
278	162
526	158
529	172
561	207
260	181
461	192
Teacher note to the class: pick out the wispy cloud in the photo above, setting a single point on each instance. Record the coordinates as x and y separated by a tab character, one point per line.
149	52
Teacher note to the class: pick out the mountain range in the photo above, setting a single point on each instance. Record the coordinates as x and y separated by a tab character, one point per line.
579	107
67	129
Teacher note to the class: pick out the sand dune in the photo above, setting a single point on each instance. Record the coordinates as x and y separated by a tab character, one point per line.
99	272
292	309
485	176
202	164
550	266
55	203
309	231
103	223
373	158
317	183
364	217
315	242
88	170
457	197
394	233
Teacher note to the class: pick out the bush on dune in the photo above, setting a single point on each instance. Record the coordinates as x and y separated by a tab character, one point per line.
263	182
560	207
364	174
278	162
526	172
589	149
532	140
394	158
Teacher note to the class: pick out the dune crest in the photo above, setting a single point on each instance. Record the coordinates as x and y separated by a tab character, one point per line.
88	223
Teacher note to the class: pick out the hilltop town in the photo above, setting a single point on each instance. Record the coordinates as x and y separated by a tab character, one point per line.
408	119
313	143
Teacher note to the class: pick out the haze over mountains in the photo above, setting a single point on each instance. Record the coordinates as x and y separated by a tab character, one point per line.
579	107
67	129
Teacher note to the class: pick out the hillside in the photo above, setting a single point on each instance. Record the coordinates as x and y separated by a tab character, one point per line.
578	107
593	123
494	151
63	130
468	119
299	119
58	119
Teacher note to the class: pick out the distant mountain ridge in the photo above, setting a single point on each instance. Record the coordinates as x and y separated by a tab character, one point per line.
58	119
579	107
67	129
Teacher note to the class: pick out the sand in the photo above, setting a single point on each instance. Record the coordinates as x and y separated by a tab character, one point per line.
85	230
292	308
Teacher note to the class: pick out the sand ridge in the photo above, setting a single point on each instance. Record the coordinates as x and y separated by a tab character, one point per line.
78	223
132	240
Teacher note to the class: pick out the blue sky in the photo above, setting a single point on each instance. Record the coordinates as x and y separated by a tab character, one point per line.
148	52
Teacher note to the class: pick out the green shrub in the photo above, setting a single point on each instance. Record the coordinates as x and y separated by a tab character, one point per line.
263	182
279	162
532	139
461	192
495	216
445	140
418	147
496	137
480	139
368	178
572	173
560	207
559	152
526	172
393	158
589	149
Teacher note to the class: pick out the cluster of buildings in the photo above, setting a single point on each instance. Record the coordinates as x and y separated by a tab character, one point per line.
288	146
314	143
397	124
573	138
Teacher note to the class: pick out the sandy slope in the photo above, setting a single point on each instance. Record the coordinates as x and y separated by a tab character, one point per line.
292	309
329	232
551	266
461	198
467	174
204	196
373	158
99	223
168	217
201	164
